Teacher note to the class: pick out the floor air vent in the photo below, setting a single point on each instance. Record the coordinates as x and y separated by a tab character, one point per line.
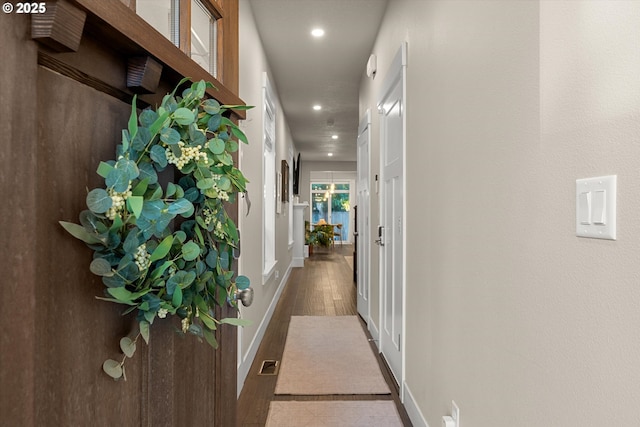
269	367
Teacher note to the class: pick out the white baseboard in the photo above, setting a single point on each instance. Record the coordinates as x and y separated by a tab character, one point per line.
375	333
244	364
415	415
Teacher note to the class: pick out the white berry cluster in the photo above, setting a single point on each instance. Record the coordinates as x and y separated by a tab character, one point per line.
218	231
209	217
188	154
142	257
162	313
222	195
185	325
118	200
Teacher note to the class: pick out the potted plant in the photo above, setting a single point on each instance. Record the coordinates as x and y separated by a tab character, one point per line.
319	235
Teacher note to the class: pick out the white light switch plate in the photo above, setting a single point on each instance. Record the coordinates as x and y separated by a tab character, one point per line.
596	207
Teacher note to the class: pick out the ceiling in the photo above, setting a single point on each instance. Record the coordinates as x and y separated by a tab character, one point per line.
325	71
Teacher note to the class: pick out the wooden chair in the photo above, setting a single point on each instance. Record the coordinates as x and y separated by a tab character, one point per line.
337	232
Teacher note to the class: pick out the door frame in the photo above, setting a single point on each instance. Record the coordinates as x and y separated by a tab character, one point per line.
364	231
397	70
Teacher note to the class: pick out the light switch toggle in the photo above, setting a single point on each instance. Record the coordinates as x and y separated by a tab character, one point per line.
599	209
584	208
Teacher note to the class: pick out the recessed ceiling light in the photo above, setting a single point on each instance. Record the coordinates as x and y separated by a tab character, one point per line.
317	32
330	154
317	107
334	136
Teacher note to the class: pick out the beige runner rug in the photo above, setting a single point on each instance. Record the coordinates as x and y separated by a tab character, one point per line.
328	355
372	413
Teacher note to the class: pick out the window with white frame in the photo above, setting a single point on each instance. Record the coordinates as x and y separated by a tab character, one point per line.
163	15
204	37
200	42
269	180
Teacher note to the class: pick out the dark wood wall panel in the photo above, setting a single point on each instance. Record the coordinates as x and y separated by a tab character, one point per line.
18	210
78	126
62	114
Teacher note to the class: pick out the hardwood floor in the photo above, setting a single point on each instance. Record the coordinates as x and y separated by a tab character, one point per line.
324	287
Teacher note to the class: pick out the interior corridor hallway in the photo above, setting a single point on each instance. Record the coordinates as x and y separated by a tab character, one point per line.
324	287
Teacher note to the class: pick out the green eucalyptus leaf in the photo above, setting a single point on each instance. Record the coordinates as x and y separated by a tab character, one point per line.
140	188
210	338
224	183
157	194
135	203
183	116
235	321
148	117
169	136
171	189
133	120
216	145
79	232
162	224
242	282
238	107
99	201
143	137
101	267
190	251
231	146
112	368
239	134
161	269
131	242
214	122
104	169
159	123
148	173
224	260
180	206
152	209
162	249
196	135
182	279
144	330
176	300
205	183
199	89
211	106
118	179
121	294
91	222
128	346
225	159
212	258
158	155
208	321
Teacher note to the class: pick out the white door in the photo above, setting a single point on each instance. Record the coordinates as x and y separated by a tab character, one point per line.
391	234
364	232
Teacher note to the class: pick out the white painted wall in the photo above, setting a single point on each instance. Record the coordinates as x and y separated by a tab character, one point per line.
253	63
509	314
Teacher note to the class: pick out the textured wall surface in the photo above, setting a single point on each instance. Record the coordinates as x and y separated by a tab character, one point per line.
252	65
508	312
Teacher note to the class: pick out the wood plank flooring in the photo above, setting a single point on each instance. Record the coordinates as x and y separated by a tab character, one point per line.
324	287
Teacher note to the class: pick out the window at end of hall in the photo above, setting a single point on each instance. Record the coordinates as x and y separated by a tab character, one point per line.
191	25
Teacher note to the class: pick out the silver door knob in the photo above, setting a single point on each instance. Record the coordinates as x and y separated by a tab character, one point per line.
245	296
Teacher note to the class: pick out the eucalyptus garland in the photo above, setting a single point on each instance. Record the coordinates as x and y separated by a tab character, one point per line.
167	249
